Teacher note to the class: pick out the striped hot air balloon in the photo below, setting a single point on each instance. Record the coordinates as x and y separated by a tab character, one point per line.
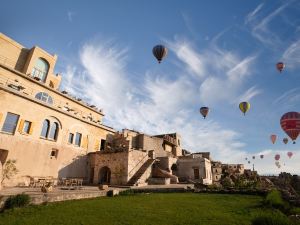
159	51
280	66
290	123
273	138
244	107
204	111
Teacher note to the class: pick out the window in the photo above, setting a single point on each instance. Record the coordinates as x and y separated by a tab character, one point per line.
53	131
178	142
54	153
44	97
71	138
26	126
45	129
102	145
78	139
40	69
10	123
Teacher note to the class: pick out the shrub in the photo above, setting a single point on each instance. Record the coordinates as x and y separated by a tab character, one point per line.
19	200
274	199
127	192
272	219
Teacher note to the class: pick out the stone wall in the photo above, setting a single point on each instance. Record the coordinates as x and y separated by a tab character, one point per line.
187	165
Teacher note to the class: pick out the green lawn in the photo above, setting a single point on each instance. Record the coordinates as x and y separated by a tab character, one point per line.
140	209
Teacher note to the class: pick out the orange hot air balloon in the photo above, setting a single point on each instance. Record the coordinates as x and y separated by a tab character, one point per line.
290	154
285	140
280	66
204	111
277	157
261	156
159	52
273	138
290	123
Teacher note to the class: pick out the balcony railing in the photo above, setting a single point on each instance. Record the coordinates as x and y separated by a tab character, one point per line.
170	140
29	92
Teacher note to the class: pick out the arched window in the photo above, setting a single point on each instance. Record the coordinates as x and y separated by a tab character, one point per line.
45	129
54	131
44	97
40	69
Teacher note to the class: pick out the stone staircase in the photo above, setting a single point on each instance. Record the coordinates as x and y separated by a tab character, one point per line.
134	179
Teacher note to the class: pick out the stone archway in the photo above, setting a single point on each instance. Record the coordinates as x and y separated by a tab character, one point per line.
104	175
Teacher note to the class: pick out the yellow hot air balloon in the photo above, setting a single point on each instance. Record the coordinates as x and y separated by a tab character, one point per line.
244	107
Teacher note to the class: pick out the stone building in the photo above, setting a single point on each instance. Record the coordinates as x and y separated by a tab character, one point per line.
47	132
53	134
216	168
147	159
235	169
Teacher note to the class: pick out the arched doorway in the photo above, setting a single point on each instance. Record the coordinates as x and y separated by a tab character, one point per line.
104	175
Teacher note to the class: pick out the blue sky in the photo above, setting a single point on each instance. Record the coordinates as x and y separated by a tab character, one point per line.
220	53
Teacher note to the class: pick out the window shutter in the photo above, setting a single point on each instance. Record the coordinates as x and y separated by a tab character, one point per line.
84	142
21	125
1	115
31	128
97	145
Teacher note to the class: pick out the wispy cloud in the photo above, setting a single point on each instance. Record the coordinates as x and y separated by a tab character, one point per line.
249	94
260	28
70	15
251	15
291	56
288	99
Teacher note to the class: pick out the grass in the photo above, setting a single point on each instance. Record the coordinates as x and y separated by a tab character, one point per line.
144	209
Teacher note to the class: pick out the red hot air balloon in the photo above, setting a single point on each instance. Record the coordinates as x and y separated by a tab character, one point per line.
280	66
204	111
261	156
277	157
290	154
273	138
290	123
285	140
159	51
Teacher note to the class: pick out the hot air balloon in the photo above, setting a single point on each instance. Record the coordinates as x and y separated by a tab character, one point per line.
249	162
159	51
204	111
290	123
290	154
261	156
244	107
285	140
277	164
246	158
273	138
253	157
277	157
280	66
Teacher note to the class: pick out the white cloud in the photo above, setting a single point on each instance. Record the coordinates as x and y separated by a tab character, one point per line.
249	94
161	105
291	56
251	15
260	26
288	99
70	15
267	164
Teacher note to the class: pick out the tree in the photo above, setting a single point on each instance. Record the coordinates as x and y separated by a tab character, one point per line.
9	169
